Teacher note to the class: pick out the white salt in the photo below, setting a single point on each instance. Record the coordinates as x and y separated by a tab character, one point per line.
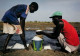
36	38
38	30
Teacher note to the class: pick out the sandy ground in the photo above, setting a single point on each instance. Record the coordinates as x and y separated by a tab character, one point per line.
31	52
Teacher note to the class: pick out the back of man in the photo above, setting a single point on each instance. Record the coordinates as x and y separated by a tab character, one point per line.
70	33
15	12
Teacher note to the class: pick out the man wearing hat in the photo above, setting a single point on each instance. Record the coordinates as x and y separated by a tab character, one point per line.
11	24
64	32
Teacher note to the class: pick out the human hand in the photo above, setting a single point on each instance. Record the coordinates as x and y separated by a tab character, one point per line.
18	29
39	32
18	26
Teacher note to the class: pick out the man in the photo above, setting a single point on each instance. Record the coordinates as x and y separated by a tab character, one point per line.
64	32
11	24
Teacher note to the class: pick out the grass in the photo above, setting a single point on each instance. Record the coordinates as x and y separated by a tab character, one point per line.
44	25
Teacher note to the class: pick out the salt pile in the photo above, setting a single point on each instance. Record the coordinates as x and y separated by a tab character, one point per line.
36	38
38	30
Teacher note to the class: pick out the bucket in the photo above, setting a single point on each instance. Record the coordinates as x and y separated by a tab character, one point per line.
37	43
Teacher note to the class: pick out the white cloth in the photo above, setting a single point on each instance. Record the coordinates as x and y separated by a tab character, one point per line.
66	46
10	28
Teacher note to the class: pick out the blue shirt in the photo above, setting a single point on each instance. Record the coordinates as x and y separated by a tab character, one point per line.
12	15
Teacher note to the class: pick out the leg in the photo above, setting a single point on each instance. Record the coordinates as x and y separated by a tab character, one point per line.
22	23
7	41
61	41
70	48
65	46
2	34
24	41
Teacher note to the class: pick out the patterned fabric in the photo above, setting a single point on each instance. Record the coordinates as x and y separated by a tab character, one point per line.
11	29
67	47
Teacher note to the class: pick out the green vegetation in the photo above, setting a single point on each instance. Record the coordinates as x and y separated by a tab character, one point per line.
1	25
39	25
38	22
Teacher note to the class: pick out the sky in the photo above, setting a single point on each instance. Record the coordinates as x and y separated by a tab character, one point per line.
70	9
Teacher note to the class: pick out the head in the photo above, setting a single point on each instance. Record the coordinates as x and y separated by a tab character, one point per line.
56	16
33	7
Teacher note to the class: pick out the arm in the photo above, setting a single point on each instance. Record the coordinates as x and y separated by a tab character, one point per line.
44	33
58	29
56	32
22	23
24	14
22	19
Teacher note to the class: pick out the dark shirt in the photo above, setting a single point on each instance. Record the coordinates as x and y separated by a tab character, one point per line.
12	15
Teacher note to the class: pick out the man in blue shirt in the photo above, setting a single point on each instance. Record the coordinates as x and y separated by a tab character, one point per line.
11	24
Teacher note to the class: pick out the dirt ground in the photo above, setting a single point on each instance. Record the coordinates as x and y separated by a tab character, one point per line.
38	53
31	52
